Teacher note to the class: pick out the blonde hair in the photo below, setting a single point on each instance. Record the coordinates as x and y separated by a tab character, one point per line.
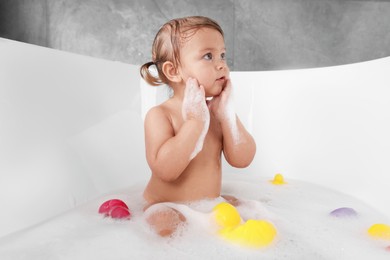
167	43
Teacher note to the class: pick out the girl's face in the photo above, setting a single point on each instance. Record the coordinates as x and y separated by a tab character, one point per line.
203	58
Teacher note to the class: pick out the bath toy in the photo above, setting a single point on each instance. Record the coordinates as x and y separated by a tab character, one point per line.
120	213
278	179
381	231
343	212
254	233
226	215
109	205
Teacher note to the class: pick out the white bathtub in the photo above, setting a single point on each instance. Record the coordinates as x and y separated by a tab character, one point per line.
71	129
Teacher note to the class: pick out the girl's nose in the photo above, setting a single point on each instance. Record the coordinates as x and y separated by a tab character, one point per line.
221	64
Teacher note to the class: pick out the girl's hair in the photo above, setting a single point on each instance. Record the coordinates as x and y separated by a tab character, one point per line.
167	43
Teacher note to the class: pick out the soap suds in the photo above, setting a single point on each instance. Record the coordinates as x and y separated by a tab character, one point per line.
230	115
194	105
299	211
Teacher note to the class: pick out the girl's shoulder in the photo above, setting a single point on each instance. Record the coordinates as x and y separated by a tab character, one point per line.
160	112
162	109
161	118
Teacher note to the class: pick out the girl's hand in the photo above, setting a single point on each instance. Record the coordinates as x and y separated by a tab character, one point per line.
221	106
194	102
195	108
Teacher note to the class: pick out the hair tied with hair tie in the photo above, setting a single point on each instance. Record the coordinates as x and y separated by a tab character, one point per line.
152	68
156	62
150	63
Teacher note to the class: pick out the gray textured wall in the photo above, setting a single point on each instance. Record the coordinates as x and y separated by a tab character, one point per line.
260	35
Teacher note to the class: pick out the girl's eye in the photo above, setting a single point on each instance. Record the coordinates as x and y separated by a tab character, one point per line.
208	56
223	56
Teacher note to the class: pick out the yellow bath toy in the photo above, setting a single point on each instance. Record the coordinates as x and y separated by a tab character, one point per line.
226	215
278	179
381	231
254	233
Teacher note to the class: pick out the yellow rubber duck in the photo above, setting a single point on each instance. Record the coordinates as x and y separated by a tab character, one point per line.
226	215
278	180
381	231
253	233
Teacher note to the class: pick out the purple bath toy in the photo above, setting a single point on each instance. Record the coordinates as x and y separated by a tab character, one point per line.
343	212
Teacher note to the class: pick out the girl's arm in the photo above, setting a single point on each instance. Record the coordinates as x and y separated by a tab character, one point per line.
239	146
168	154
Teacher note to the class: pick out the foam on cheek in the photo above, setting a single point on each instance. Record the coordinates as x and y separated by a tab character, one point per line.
194	103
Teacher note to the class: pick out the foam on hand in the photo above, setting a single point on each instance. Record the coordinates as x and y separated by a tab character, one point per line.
230	115
194	104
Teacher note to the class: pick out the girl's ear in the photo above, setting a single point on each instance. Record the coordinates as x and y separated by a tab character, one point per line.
171	72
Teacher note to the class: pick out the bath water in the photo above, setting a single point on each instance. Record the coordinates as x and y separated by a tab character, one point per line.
299	211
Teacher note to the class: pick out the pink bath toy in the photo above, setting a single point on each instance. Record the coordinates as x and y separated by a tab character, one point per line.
109	205
343	212
120	213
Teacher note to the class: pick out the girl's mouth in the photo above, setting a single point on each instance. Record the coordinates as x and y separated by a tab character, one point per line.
221	79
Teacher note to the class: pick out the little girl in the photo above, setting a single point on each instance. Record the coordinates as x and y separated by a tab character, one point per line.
186	135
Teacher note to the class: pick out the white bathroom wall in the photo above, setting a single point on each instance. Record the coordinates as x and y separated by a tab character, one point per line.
329	126
70	130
